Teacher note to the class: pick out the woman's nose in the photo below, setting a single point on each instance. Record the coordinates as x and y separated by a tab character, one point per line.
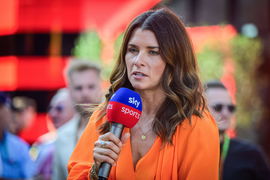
139	59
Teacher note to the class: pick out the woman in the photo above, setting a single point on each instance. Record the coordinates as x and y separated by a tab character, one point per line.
175	138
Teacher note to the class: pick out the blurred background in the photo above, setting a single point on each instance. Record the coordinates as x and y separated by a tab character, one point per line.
231	39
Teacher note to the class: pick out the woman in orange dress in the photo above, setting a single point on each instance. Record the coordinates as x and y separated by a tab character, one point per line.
176	137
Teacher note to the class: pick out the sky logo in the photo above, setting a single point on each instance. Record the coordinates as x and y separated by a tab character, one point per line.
132	100
128	97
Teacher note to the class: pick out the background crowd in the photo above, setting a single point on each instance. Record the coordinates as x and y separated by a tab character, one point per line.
29	151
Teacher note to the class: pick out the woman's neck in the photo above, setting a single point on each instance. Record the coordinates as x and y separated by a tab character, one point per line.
152	101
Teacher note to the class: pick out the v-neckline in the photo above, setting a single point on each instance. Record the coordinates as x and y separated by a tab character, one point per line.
125	162
143	158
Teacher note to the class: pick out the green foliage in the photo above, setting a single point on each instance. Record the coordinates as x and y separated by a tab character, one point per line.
210	62
246	54
117	45
107	68
88	46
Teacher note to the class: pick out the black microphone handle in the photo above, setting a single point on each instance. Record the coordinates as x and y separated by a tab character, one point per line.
105	167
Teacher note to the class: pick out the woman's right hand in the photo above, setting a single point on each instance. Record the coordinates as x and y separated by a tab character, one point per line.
108	147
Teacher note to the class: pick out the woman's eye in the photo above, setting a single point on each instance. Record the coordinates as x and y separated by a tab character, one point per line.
154	52
132	50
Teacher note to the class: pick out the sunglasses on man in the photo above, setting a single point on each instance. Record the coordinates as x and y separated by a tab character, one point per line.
58	108
219	107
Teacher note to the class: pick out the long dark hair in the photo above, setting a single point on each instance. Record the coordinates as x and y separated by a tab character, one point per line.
180	81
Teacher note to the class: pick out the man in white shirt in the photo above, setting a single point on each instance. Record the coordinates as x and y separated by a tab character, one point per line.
84	83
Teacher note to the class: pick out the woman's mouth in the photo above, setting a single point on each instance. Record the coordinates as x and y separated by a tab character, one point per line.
137	74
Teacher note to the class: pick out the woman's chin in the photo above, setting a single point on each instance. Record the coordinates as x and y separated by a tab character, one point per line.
138	86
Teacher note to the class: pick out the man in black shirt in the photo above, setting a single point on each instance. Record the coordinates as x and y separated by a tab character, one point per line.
239	160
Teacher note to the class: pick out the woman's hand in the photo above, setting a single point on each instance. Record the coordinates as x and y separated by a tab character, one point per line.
108	147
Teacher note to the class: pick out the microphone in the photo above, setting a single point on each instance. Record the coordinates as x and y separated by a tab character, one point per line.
124	110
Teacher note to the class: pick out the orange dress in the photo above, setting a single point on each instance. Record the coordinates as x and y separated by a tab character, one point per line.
194	154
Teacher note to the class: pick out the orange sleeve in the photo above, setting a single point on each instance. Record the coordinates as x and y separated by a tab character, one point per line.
202	150
81	159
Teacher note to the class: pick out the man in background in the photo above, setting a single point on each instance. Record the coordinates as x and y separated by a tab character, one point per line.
15	162
84	84
60	111
239	159
24	111
61	108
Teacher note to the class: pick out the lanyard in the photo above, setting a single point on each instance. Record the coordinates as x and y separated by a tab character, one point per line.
224	153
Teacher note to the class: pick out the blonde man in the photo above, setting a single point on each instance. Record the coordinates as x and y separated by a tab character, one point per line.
84	84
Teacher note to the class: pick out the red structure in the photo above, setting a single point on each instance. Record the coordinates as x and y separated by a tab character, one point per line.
55	18
46	73
106	16
23	22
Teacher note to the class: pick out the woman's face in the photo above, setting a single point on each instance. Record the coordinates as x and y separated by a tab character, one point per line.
144	64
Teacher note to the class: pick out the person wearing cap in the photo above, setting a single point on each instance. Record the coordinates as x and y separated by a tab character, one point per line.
24	115
24	110
238	159
15	162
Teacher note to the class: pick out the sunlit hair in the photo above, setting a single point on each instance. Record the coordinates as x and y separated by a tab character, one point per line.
180	81
79	65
